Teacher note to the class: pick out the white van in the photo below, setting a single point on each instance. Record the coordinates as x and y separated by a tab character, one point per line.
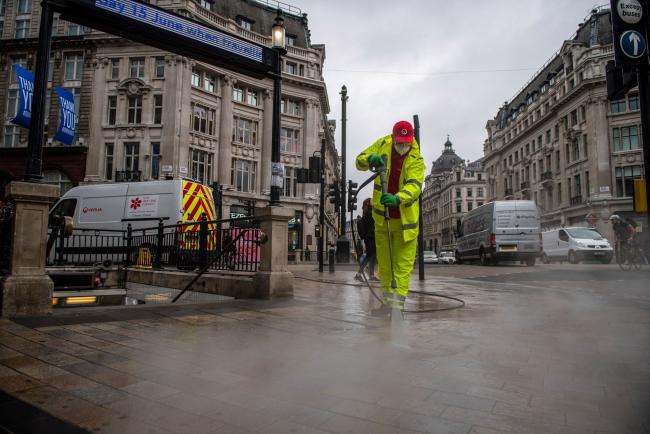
575	245
113	206
501	230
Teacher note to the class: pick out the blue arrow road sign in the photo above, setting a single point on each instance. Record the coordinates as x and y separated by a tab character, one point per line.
633	44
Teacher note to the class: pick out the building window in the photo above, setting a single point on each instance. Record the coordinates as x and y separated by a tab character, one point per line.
587	184
238	94
575	150
160	67
243	175
155	160
574	117
578	185
557	162
291	68
245	131
136	68
12	136
74	29
209	83
108	160
470	191
459	207
479	192
245	23
289	140
583	114
196	78
157	109
132	156
112	110
24	7
115	69
55	177
12	102
617	106
469	206
585	146
290	182
73	67
22	29
290	40
633	102
201	166
626	138
251	97
135	110
3	5
203	119
458	193
548	136
291	107
625	177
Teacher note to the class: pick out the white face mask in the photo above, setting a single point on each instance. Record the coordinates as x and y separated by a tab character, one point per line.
402	148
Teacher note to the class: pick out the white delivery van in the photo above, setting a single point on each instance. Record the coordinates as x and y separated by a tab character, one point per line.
575	245
113	206
501	230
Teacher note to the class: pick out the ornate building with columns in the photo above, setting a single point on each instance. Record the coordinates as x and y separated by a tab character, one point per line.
561	143
145	114
453	188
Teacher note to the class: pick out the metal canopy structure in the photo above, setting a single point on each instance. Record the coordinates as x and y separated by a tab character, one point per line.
161	28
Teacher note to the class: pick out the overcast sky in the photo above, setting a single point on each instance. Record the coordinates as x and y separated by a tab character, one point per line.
451	62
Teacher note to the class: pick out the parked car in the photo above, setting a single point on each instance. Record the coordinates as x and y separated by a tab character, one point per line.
446	258
430	257
500	230
574	245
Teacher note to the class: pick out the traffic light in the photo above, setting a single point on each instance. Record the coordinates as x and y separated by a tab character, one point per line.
629	32
314	170
352	196
334	194
619	80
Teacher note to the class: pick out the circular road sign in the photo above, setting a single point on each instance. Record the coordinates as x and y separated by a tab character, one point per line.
630	11
633	44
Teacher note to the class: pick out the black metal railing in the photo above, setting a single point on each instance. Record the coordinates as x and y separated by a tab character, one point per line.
575	200
184	246
547	176
128	176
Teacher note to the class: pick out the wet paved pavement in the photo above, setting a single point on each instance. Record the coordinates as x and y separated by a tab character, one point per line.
525	355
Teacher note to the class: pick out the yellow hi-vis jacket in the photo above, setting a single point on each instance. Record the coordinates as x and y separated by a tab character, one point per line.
410	183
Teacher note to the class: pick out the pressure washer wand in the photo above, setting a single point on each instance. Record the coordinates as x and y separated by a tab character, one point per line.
384	190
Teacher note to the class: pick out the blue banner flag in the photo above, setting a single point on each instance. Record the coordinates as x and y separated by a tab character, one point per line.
25	81
67	117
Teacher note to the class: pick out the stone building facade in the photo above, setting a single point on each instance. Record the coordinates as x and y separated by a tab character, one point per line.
453	188
146	114
561	143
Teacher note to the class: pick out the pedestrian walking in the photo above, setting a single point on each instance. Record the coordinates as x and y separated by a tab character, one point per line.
366	230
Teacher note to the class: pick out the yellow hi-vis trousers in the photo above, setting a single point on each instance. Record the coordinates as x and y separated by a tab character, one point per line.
403	259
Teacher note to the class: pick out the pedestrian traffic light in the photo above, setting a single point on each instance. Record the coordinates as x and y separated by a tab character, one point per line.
334	194
352	195
629	32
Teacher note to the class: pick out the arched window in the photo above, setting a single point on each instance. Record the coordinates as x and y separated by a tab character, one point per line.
55	177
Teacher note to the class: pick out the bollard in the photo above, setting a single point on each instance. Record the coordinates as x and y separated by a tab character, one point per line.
332	259
203	241
129	240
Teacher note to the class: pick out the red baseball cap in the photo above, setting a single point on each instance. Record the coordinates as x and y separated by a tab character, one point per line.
403	132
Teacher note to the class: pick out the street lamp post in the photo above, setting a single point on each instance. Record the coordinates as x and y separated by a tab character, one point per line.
277	171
